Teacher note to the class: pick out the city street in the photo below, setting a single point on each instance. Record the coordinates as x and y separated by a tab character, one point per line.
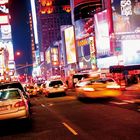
66	118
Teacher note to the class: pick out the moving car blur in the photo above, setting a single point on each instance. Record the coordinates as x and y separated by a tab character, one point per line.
54	87
97	88
31	89
13	104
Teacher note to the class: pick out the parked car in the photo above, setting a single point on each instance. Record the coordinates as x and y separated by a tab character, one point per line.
54	87
16	84
13	104
97	87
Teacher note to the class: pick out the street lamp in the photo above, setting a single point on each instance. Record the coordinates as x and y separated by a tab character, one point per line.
18	53
21	66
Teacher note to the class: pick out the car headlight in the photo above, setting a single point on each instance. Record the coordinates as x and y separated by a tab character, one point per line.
88	89
113	86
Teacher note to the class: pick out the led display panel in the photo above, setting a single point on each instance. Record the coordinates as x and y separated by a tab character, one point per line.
54	56
82	28
48	56
70	45
9	48
4	1
6	32
131	52
4	19
126	15
102	34
4	9
107	62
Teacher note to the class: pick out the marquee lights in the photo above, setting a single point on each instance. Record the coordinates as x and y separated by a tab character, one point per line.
67	8
46	2
47	9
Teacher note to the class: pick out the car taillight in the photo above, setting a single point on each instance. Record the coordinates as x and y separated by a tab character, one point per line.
19	104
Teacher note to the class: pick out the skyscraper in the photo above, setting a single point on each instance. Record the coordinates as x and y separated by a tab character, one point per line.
52	14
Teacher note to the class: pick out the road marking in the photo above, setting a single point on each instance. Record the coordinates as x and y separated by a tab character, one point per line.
70	129
119	103
51	104
42	105
129	101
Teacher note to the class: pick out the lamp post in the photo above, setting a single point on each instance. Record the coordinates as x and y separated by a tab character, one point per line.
22	66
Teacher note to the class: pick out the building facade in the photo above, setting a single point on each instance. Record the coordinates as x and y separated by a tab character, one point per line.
51	15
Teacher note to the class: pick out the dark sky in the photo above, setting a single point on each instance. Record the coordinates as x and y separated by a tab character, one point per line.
21	31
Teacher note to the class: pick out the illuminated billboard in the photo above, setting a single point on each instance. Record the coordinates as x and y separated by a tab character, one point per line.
8	47
4	1
126	15
70	45
54	56
107	62
4	9
47	56
83	28
102	38
131	52
5	32
4	19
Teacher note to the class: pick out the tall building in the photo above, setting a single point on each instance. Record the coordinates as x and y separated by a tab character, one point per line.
53	14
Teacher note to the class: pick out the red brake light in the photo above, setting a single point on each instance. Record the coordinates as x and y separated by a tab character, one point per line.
19	104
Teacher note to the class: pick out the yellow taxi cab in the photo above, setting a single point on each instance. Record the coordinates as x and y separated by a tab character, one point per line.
97	87
32	90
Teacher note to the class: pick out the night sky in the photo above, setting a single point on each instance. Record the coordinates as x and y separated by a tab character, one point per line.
21	31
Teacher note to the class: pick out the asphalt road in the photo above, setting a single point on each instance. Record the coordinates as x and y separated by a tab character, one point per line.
66	118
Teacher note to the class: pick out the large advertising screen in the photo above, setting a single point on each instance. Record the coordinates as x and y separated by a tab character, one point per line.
4	19
102	38
4	1
54	56
84	53
84	28
131	52
4	9
70	45
107	62
48	56
126	15
5	32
